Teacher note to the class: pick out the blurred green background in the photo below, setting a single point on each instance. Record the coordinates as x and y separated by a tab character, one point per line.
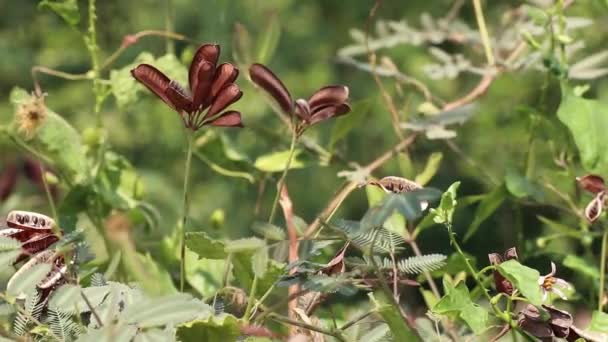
496	138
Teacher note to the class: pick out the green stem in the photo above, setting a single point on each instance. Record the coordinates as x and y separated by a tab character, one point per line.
263	298
602	270
254	288
169	15
185	207
91	43
472	270
483	31
49	196
292	148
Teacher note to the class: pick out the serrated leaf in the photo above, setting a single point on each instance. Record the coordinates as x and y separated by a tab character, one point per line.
206	247
524	278
174	309
269	231
25	280
488	205
244	245
276	161
430	169
259	262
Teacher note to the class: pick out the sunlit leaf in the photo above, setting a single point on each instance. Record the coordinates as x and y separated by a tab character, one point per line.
25	280
213	328
276	161
444	212
430	169
269	39
457	300
174	309
244	245
206	247
66	9
399	329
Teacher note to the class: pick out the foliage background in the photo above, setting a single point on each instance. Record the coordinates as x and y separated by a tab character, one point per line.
497	138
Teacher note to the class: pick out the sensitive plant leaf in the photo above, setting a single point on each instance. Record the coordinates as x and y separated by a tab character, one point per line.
249	245
276	161
10	249
223	327
269	39
68	298
524	278
457	300
430	169
588	124
66	9
206	247
422	263
444	212
174	309
259	262
488	205
399	329
582	267
26	280
269	231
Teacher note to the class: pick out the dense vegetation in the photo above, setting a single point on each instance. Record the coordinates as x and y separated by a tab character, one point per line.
303	170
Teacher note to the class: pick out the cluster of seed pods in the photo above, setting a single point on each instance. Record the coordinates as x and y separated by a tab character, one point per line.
36	234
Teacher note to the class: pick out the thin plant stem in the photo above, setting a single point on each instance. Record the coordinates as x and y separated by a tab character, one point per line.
333	332
483	31
292	148
602	270
169	18
49	195
185	208
252	291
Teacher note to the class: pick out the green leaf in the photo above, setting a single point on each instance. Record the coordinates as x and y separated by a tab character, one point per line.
520	186
174	309
206	247
588	123
204	275
269	39
66	9
259	262
10	249
582	266
25	280
399	329
486	207
276	161
244	245
444	212
343	125
457	300
269	231
110	333
524	278
223	327
599	322
430	169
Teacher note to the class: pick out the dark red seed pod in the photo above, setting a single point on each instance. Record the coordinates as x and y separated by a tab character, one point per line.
227	96
592	183
202	86
177	95
231	118
207	53
328	95
29	220
224	75
267	80
154	80
37	243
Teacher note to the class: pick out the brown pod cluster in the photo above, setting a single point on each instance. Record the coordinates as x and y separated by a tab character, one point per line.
595	185
501	283
211	90
328	102
33	230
